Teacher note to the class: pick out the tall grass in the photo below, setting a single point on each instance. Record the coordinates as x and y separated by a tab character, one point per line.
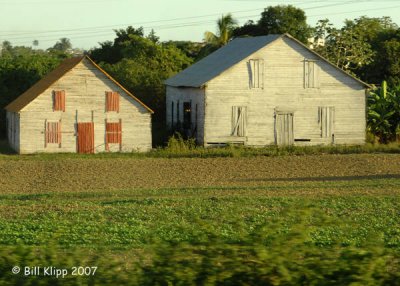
177	147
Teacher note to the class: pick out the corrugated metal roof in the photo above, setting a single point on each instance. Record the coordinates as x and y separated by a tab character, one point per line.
238	49
43	84
213	65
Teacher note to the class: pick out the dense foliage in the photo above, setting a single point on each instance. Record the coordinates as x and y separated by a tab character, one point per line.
141	64
384	113
20	68
278	20
366	47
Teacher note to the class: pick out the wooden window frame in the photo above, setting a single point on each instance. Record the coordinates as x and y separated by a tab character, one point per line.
59	100
112	101
284	127
187	115
239	121
52	133
172	114
326	121
256	73
113	134
311	74
178	120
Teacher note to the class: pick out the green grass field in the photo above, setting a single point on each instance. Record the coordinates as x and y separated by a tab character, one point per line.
281	220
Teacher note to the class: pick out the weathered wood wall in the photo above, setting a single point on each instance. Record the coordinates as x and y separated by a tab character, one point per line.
176	97
284	91
13	130
85	101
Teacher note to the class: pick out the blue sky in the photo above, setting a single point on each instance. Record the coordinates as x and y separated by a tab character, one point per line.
87	22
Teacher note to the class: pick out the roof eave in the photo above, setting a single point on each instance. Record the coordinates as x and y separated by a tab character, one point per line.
327	61
118	84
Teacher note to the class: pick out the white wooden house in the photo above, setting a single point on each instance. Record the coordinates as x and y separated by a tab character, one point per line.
78	107
267	90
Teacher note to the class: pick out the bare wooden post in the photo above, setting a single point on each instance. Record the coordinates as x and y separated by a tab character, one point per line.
107	147
120	135
59	134
45	133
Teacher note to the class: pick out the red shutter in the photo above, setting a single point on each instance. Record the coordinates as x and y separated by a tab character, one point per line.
113	134
112	101
59	100
53	133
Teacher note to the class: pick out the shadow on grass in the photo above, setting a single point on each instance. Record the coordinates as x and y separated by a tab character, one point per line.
321	179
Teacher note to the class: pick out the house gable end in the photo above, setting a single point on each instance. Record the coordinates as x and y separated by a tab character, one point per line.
50	81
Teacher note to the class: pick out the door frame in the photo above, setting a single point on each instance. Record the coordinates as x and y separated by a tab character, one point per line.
289	126
85	137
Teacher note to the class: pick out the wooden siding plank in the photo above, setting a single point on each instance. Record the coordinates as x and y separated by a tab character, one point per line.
85	88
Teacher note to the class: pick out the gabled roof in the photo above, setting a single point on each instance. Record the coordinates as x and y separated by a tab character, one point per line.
198	74
214	64
38	88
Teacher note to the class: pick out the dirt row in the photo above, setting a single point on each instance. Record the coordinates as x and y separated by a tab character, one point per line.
75	174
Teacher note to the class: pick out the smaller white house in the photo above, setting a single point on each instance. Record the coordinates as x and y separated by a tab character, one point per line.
78	107
267	90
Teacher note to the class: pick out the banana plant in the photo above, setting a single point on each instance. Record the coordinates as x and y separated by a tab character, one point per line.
381	113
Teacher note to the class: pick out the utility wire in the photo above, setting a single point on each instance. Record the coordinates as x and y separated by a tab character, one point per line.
98	31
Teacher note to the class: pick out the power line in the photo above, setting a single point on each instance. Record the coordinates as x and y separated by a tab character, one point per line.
129	24
90	32
355	11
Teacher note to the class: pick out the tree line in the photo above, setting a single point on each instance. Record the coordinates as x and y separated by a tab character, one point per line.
368	48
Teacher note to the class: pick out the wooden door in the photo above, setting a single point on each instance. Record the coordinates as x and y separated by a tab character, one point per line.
284	129
85	140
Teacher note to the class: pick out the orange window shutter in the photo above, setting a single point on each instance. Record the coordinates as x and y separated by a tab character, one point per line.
116	96
62	100
113	133
112	101
59	133
108	101
59	100
53	133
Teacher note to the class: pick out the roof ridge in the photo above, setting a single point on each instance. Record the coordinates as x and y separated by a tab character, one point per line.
49	79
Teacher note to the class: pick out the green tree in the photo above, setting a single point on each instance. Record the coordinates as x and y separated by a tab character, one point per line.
63	45
190	49
346	47
111	51
225	26
278	20
366	47
20	68
141	65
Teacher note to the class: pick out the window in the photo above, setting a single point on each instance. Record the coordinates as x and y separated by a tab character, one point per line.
178	120
112	101
239	121
187	115
256	71
59	100
196	120
326	121
53	133
311	74
172	114
113	134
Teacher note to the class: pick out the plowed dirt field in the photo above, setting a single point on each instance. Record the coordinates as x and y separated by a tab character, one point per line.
102	174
